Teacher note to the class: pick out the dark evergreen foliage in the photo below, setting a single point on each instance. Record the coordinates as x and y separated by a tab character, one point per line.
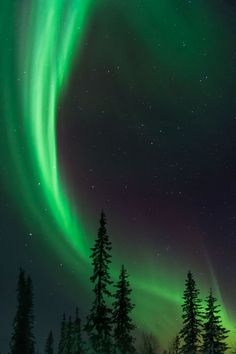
98	324
30	315
110	330
192	318
214	335
122	308
49	344
22	340
149	344
69	337
176	346
78	345
63	334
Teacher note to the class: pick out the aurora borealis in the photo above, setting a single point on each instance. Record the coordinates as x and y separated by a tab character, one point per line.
130	107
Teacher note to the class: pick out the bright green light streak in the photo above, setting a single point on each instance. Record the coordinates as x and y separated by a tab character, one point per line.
56	31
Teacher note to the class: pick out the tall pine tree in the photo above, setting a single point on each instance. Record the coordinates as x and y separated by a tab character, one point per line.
192	318
99	320
22	339
49	344
214	335
122	308
77	341
63	336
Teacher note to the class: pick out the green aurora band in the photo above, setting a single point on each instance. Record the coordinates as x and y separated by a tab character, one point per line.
42	40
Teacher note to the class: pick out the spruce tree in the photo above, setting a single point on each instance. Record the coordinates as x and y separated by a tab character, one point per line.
22	339
214	335
122	308
30	315
19	336
77	341
63	335
149	344
192	318
49	344
176	346
69	334
98	326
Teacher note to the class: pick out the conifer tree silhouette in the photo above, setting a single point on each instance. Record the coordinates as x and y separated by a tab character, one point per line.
214	335
99	322
122	308
49	344
63	335
22	339
192	318
176	346
30	305
149	344
78	345
69	337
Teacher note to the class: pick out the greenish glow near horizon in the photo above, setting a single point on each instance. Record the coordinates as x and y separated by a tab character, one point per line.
38	69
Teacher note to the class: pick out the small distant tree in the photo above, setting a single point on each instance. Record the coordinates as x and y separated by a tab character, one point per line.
192	318
149	344
69	336
22	339
49	344
214	335
122	308
63	336
99	322
175	348
30	315
78	345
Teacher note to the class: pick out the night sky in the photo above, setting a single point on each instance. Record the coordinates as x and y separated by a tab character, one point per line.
126	106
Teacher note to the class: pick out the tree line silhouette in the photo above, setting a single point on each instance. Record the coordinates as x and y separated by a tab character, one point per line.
109	327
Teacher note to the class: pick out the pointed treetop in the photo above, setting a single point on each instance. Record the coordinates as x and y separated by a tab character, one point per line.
103	220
